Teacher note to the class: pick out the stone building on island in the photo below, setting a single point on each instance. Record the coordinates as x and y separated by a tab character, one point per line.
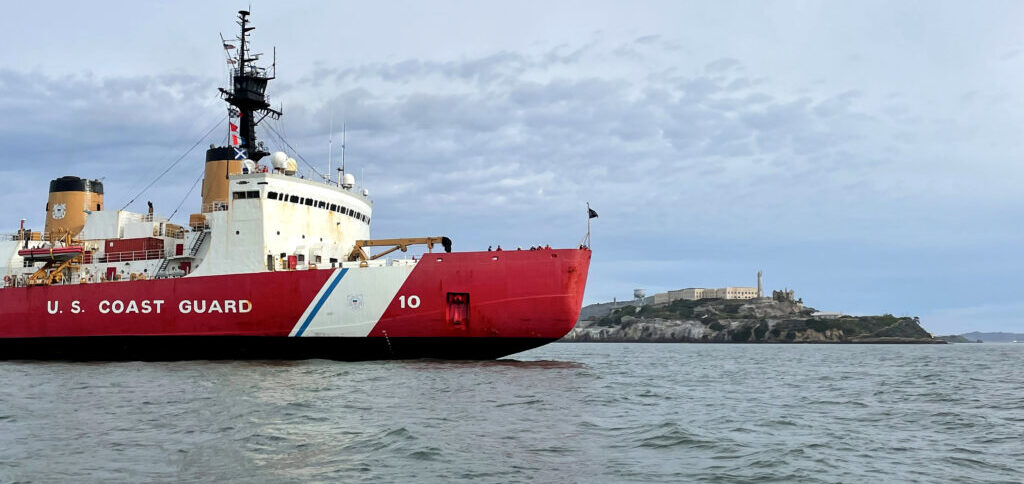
697	293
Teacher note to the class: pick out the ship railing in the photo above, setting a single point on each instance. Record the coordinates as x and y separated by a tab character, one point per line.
199	225
34	236
175	233
217	206
132	255
137	217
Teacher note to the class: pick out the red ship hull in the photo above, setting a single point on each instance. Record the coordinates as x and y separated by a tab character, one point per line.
471	305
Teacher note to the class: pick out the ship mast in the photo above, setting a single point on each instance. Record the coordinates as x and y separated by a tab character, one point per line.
248	93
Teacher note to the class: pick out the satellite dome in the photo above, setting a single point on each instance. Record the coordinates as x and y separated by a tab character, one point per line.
348	181
279	160
291	167
248	166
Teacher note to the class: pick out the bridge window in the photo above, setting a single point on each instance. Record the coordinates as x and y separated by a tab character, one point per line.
252	194
272	195
322	205
334	208
309	202
294	199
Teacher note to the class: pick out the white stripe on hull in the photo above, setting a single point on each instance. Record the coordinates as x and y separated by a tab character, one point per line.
354	305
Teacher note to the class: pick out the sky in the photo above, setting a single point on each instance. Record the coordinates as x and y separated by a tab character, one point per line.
865	154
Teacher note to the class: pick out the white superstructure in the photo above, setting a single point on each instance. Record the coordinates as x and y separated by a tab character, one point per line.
274	220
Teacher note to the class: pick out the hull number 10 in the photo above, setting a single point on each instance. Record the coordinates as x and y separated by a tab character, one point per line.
412	302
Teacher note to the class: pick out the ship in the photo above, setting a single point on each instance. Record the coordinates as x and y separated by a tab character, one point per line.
274	265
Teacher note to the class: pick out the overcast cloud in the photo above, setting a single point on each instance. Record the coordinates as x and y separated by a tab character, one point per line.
863	154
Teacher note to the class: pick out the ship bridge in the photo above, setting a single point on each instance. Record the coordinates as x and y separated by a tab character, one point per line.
273	221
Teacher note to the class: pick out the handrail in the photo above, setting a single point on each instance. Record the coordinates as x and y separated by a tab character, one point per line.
215	206
132	255
60	236
137	217
34	236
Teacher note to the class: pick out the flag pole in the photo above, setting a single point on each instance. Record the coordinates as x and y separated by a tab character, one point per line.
587	239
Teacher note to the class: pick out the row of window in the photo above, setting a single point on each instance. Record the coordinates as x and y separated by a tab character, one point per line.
309	202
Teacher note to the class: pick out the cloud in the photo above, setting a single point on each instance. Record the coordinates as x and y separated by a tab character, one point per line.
676	152
723	65
506	123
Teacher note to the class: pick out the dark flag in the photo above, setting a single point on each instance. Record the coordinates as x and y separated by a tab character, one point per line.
591	213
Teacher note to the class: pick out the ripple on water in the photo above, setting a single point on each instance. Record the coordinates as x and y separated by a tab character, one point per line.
561	413
670	436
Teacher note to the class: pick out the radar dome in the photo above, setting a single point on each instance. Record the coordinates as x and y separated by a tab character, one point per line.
248	166
291	167
348	181
279	160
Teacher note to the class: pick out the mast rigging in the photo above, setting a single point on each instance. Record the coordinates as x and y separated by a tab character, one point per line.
248	91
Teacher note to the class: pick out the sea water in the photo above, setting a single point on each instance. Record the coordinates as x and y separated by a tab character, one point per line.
593	412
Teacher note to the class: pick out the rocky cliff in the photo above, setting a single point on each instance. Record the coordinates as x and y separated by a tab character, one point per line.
744	321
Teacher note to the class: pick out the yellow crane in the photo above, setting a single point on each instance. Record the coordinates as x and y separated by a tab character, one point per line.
397	244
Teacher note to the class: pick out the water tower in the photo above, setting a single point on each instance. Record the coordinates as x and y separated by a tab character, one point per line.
638	296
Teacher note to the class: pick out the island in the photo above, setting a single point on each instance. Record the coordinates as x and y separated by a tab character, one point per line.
755	320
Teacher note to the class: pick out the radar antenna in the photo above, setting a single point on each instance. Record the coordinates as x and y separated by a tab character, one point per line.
248	90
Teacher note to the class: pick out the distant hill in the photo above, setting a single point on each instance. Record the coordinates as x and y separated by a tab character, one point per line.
994	337
956	338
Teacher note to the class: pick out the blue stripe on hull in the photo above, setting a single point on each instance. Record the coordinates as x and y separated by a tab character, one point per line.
320	303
